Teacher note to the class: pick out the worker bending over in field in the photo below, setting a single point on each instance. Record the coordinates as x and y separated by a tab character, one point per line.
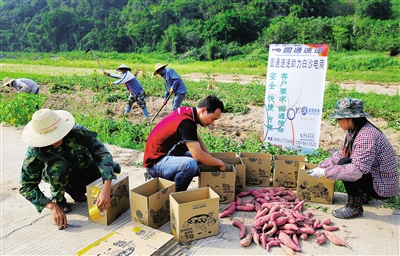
68	157
22	85
174	148
366	162
136	91
173	84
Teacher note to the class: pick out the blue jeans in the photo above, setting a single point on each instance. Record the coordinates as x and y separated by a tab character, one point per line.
178	99
179	169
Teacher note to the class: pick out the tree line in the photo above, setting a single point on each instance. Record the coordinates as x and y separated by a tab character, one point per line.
199	29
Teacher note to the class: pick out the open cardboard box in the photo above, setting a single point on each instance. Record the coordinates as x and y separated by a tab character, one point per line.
194	214
258	168
223	183
240	167
319	190
119	198
286	168
150	202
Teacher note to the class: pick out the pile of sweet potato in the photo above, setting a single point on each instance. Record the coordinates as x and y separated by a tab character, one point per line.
279	220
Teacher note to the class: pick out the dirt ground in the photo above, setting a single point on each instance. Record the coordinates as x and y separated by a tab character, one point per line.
235	125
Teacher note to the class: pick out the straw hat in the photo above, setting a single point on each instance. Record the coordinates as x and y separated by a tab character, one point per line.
123	66
47	127
158	66
349	108
7	81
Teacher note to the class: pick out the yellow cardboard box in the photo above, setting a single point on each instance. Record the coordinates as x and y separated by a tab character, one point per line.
131	239
150	202
240	167
258	168
194	214
119	198
286	168
223	183
319	190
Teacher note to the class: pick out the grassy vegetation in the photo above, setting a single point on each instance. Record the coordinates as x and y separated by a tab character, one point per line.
75	73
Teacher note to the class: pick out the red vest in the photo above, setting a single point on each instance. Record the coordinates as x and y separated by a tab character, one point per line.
164	139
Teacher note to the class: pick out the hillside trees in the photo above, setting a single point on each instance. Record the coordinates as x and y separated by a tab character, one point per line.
202	29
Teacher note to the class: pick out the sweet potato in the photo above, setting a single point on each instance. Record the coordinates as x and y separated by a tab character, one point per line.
289	227
242	227
317	224
286	240
228	210
299	206
271	243
256	235
307	230
326	222
261	220
303	236
321	239
295	240
336	240
247	240
287	250
238	201
330	228
244	193
263	239
281	221
247	208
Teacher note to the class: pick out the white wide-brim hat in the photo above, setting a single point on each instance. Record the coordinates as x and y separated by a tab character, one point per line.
47	127
123	66
157	66
7	81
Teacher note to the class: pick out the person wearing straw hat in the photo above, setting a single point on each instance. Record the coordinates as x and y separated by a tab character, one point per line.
136	91
67	156
366	161
173	84
174	148
22	85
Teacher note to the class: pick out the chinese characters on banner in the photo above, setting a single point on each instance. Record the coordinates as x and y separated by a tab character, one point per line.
294	95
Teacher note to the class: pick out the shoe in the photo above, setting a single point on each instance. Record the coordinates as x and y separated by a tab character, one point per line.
352	209
80	198
66	207
366	199
76	196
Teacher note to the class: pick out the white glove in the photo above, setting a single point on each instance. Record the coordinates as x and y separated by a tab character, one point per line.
316	172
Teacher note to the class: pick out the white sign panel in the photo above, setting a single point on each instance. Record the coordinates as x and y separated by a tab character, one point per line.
294	95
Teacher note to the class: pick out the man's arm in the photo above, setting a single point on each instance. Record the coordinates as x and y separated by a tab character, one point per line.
203	145
204	157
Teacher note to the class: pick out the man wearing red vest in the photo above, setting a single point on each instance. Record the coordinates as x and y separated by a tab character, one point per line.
174	148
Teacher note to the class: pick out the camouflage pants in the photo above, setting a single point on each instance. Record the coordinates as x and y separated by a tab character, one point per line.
140	99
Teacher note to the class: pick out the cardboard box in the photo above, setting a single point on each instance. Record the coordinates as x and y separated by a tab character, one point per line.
286	168
319	190
119	198
240	167
131	239
150	202
194	214
258	168
223	183
224	154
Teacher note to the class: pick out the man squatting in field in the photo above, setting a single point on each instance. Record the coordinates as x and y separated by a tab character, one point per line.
174	148
67	156
137	93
